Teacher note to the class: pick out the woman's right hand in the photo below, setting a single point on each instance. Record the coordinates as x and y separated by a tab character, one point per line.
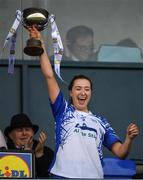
34	33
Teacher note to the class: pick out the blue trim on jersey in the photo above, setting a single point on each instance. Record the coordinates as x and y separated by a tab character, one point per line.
58	108
110	137
63	112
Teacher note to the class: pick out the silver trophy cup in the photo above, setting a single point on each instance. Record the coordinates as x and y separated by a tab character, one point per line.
39	18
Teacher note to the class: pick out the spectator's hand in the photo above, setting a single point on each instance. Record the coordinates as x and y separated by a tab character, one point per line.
132	131
29	144
39	151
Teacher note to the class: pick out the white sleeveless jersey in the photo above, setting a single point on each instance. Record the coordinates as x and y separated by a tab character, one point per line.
79	140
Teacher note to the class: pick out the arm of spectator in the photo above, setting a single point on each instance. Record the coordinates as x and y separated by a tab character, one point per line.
39	150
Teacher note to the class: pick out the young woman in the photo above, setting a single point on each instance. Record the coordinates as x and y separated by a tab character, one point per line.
80	134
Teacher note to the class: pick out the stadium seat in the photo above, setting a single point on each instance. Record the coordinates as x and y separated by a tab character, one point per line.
115	168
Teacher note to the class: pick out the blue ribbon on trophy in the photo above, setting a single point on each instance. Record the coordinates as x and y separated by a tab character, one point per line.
57	45
12	54
40	18
11	37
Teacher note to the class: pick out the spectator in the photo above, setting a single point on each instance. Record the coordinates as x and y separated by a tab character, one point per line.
130	43
20	135
2	141
80	45
127	43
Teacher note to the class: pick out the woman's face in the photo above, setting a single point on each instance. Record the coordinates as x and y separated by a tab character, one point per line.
81	94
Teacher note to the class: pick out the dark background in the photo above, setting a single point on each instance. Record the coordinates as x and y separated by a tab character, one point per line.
118	95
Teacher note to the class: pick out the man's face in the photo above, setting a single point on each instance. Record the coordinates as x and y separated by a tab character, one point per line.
21	136
82	49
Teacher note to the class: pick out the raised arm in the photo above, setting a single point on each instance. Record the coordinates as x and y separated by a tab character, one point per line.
122	150
53	88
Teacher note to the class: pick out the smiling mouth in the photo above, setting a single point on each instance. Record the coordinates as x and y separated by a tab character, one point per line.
81	101
24	139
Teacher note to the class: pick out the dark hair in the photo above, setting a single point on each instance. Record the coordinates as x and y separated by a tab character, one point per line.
77	32
127	42
79	77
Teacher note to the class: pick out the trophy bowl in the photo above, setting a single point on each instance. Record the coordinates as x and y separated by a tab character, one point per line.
39	18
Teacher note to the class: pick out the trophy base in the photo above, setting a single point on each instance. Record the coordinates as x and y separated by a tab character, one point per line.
33	47
33	50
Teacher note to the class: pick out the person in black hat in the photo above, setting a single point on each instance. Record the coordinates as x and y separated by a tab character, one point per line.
20	135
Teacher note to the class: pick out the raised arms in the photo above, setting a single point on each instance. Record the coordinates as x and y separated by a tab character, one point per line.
53	88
